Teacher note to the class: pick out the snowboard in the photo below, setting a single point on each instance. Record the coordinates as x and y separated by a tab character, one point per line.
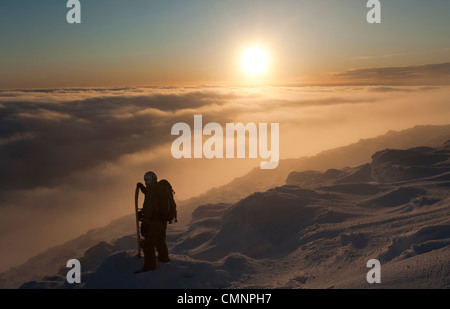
136	208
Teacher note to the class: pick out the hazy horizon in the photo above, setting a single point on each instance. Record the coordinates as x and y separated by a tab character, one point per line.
201	42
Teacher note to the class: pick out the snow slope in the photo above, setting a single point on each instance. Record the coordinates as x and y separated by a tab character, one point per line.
317	231
50	261
351	155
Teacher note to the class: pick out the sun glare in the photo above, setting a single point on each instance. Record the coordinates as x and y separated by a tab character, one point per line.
254	61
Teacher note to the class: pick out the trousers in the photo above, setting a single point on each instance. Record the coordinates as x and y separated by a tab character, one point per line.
155	237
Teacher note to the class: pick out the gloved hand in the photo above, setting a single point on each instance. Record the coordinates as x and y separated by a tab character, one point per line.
144	227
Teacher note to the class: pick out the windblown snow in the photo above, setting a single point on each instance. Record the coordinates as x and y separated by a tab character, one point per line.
316	231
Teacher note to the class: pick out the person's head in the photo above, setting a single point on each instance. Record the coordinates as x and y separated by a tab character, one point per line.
150	179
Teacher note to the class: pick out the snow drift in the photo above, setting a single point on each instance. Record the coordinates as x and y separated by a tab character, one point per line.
317	231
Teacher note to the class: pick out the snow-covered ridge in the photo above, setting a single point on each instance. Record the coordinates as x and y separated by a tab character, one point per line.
317	231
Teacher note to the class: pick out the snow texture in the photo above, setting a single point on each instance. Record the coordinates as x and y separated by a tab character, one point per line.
317	231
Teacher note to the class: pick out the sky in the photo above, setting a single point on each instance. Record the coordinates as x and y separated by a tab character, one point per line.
139	42
86	109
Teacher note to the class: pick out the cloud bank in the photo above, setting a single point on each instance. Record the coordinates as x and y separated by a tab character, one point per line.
70	158
438	74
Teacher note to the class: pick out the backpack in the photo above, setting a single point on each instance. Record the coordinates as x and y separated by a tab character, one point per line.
166	206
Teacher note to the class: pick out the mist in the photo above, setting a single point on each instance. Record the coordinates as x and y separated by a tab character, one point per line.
71	158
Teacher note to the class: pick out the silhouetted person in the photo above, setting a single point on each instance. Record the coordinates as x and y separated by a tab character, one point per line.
153	227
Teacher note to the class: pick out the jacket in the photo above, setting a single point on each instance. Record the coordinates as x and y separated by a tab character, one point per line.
150	203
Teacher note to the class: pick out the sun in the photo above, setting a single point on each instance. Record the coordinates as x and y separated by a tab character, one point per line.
254	61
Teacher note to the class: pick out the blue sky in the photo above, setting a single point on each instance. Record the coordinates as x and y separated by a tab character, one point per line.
154	42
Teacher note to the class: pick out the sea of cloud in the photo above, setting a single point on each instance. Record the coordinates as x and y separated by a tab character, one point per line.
70	158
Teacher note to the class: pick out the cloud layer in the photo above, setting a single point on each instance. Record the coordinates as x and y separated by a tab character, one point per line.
70	158
437	74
